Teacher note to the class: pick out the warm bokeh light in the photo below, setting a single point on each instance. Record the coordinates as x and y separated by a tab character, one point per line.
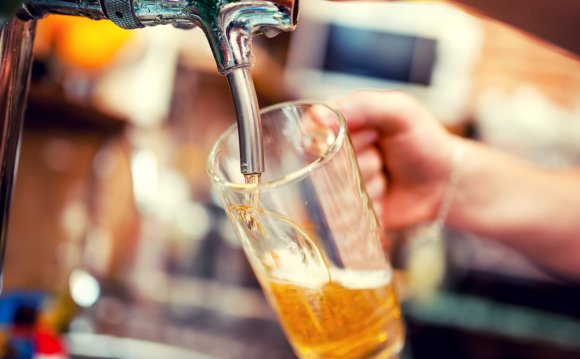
81	42
84	288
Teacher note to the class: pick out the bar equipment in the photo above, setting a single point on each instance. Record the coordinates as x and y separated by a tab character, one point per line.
229	26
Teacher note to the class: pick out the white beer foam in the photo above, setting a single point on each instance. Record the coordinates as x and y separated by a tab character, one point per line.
290	268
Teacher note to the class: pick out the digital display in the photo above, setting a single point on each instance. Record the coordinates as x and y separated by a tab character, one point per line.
382	55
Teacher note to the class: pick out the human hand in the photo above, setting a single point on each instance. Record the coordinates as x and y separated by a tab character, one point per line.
406	160
404	154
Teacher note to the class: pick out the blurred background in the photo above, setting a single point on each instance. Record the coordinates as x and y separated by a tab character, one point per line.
117	248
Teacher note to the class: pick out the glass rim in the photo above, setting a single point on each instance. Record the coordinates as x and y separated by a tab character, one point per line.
302	172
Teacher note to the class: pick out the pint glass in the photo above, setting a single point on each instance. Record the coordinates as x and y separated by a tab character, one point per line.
311	235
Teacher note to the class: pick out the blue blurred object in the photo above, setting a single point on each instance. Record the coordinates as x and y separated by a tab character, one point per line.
10	304
18	318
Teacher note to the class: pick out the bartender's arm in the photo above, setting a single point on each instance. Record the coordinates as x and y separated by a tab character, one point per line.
406	159
530	208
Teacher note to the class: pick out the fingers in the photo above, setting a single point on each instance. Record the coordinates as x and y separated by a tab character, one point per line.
370	163
322	116
318	124
371	167
364	138
376	188
386	111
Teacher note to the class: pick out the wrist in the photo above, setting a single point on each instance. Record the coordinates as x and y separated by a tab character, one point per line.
473	190
452	185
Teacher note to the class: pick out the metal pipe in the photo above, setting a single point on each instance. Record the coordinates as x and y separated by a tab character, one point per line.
16	39
86	8
249	121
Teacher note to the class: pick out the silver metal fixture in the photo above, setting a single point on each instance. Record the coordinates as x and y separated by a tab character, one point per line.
16	39
229	26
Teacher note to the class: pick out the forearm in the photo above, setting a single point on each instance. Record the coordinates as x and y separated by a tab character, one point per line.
534	210
551	20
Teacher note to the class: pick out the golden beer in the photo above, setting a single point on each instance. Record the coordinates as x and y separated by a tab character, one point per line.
355	315
311	235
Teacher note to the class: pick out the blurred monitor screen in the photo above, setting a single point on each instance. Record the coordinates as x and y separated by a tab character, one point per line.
426	49
378	54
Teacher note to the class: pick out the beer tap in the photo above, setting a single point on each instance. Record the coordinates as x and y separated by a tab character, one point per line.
229	26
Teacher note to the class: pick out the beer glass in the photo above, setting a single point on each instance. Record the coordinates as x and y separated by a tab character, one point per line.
311	235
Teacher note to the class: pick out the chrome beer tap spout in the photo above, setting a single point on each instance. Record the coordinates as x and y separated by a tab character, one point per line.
228	24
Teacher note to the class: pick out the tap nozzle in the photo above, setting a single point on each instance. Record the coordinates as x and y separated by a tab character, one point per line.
249	121
230	33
